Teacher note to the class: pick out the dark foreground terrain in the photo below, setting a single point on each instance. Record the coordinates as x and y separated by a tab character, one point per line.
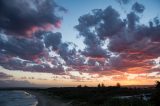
103	96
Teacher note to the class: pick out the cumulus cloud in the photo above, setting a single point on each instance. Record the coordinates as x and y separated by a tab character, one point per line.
132	46
112	44
26	42
137	7
132	20
21	17
96	27
53	40
22	47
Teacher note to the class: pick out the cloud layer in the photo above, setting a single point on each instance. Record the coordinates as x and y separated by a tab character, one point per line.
28	41
35	15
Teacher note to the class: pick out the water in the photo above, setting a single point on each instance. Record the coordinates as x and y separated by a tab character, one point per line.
17	98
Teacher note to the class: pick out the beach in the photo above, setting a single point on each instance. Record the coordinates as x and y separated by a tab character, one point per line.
44	100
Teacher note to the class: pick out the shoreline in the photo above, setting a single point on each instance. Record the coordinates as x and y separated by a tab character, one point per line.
44	100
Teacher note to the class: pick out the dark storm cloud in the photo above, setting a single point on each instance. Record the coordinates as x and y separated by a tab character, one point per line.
21	47
45	68
135	44
154	31
129	46
156	21
52	40
19	16
93	46
96	51
31	19
132	20
105	22
87	21
31	54
31	66
137	47
137	7
68	54
96	26
111	23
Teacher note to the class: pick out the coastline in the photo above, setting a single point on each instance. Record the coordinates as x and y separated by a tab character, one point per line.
44	100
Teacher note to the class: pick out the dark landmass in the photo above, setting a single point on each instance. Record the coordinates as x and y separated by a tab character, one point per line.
99	96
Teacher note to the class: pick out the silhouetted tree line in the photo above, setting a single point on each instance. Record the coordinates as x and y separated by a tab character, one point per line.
101	85
118	85
156	95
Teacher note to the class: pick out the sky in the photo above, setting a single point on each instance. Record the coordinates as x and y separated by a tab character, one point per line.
45	43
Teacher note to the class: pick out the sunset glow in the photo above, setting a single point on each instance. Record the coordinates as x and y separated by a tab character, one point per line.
68	43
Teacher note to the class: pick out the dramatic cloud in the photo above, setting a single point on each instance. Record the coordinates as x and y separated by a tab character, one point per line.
23	17
53	40
139	8
21	47
26	42
132	20
131	47
98	24
96	28
112	44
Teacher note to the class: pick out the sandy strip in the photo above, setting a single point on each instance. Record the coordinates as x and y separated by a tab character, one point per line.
44	100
